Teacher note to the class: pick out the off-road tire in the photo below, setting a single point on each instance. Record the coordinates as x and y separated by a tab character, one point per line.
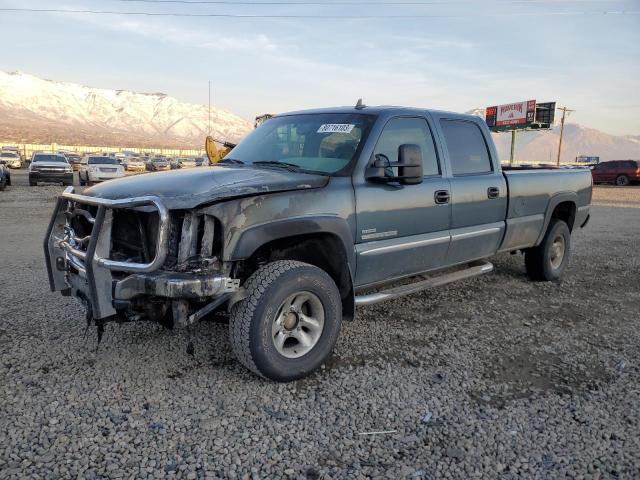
250	325
622	181
3	184
80	180
538	261
33	184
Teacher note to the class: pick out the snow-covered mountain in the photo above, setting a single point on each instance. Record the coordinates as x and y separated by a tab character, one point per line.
542	146
35	110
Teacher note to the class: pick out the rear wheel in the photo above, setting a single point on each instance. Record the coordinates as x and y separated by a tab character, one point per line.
3	183
622	181
80	180
33	183
288	324
548	260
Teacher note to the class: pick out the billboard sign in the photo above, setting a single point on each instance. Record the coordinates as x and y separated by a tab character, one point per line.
545	114
513	115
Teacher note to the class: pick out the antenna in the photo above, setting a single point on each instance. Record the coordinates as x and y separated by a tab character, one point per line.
209	127
360	105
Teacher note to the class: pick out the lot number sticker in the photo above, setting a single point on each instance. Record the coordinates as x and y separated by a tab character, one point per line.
336	128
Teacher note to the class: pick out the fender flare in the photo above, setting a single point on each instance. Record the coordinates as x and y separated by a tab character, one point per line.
554	201
256	236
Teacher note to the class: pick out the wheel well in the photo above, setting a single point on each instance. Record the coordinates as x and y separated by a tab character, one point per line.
565	211
323	250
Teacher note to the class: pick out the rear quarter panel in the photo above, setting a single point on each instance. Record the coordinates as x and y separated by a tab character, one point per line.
534	194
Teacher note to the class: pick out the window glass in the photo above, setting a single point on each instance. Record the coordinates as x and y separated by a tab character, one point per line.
322	142
413	131
102	161
468	152
43	157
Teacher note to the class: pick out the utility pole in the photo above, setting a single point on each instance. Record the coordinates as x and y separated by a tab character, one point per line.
564	112
513	147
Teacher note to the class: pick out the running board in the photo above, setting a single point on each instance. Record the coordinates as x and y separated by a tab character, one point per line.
473	270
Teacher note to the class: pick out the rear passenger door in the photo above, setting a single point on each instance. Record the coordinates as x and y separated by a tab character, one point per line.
478	191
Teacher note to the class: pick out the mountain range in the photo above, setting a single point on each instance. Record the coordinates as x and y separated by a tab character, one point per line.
541	146
35	110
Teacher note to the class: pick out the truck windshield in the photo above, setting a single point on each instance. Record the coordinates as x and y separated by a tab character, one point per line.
49	158
322	143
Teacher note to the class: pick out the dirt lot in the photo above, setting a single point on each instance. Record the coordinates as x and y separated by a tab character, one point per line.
495	377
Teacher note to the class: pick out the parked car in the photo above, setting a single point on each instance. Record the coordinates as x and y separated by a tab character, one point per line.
202	162
160	163
95	169
303	219
186	162
5	175
50	167
11	159
620	172
134	164
14	149
174	163
74	160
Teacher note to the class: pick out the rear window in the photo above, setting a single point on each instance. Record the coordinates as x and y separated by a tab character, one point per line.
102	161
468	151
8	155
43	157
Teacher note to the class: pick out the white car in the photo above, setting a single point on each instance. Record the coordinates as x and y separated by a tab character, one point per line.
11	159
97	168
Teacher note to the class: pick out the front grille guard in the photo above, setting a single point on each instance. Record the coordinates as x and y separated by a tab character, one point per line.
94	266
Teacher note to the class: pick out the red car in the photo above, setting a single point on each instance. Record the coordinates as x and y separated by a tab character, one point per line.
620	172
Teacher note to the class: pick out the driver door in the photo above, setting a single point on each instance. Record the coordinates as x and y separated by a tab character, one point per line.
403	229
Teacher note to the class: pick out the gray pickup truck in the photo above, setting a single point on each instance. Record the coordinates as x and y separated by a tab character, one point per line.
312	214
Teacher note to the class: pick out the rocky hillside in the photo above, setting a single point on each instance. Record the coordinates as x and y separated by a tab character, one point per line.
35	110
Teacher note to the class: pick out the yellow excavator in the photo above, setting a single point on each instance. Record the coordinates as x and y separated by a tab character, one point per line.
216	154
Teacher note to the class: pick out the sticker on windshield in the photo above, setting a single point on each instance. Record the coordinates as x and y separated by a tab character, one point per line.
336	128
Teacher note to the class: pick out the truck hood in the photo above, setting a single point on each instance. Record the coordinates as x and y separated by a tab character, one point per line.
190	188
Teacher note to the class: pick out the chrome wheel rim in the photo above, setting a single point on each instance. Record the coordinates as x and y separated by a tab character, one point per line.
558	248
298	324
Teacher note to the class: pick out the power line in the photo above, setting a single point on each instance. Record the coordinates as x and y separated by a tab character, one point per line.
354	2
332	17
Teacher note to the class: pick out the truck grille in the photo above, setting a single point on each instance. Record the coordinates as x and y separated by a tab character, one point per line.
134	232
194	240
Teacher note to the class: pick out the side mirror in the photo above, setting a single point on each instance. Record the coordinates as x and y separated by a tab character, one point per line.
409	166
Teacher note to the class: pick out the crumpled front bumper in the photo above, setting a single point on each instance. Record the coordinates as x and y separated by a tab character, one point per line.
82	266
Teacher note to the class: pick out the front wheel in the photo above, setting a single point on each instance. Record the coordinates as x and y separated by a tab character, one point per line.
288	324
548	260
622	181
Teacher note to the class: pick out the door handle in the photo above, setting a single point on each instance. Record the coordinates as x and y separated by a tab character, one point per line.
442	197
493	192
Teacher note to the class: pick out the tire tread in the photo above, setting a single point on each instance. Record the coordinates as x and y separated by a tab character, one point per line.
242	312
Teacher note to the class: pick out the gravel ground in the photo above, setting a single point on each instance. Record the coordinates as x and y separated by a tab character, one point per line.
495	377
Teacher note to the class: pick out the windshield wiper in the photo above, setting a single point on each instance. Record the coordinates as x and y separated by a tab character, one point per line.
289	166
233	161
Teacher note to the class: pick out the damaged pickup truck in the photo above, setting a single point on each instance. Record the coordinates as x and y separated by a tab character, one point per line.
311	215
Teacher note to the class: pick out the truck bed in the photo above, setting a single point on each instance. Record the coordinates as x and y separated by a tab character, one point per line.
534	193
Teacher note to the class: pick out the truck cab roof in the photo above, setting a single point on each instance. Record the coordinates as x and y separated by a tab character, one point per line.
380	110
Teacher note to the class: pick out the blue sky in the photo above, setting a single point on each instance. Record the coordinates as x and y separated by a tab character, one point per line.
467	54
